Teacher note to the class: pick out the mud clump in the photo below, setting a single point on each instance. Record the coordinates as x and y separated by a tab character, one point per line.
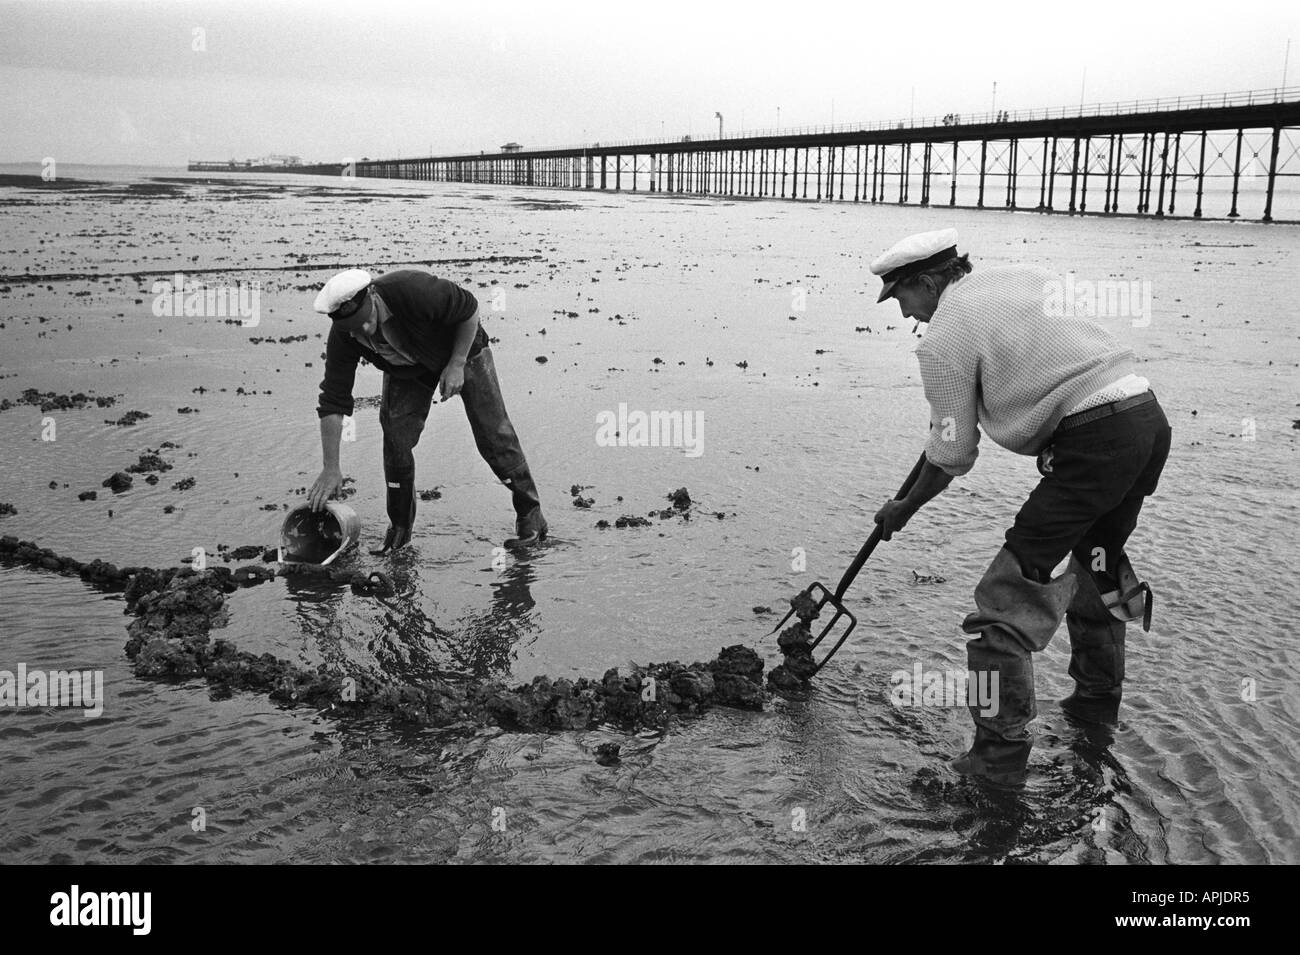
738	678
97	572
247	552
51	401
150	461
118	482
7	509
130	419
795	643
629	520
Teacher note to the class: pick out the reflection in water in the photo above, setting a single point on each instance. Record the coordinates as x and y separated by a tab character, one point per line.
488	643
399	638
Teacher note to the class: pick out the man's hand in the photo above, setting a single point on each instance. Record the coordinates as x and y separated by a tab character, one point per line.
452	380
893	517
328	484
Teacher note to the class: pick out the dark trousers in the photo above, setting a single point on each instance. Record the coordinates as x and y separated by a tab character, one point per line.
405	406
1095	478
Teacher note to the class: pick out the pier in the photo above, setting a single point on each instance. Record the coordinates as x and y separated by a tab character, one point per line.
1214	156
251	165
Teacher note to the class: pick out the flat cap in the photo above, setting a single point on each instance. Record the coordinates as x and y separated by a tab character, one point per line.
912	255
340	289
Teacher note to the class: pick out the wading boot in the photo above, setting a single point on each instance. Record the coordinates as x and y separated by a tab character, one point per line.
1096	651
530	525
1015	617
995	759
401	510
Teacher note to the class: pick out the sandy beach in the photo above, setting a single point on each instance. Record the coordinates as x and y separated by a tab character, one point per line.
756	319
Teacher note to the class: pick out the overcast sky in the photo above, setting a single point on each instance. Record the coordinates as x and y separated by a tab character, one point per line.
107	82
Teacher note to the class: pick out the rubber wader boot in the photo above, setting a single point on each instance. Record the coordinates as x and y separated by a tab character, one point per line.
1096	650
401	510
1015	618
530	525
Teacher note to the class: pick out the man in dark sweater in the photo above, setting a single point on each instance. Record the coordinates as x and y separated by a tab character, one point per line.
423	332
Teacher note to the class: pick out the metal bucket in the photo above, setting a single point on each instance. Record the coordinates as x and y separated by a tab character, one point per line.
318	537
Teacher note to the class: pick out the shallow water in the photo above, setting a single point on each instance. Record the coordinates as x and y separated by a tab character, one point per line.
799	449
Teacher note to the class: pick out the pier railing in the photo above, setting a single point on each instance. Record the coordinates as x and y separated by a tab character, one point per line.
1118	108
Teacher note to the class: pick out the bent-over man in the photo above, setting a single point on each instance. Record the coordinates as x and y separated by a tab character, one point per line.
423	332
1061	389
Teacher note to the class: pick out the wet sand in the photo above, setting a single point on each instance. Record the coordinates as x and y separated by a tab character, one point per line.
812	417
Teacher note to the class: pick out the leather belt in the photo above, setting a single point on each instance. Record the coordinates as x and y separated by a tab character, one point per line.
1104	411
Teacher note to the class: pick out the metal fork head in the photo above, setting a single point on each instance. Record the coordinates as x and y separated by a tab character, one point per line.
840	611
823	596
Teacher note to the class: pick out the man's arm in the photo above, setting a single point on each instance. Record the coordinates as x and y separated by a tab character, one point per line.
453	376
465	333
331	476
929	483
895	514
953	442
341	357
954	416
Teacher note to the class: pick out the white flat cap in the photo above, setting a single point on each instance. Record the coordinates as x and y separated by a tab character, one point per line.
340	289
914	254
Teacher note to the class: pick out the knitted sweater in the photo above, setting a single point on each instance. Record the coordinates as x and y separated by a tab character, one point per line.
994	356
423	314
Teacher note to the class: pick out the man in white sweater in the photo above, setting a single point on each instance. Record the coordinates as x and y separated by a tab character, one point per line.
1064	390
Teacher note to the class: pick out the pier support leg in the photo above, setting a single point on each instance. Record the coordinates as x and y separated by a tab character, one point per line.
1164	172
925	175
1087	161
1272	172
905	158
1173	176
1074	177
984	154
1051	176
1110	165
952	193
1142	177
1042	188
1236	175
1200	176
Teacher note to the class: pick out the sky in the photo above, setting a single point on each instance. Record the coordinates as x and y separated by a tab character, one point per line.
161	83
